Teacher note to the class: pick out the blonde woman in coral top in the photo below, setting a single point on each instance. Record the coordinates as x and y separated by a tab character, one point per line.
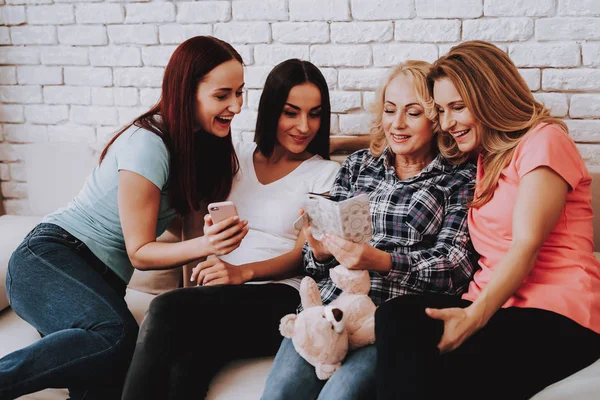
531	315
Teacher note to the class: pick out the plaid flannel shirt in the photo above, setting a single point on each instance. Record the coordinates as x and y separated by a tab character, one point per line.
420	221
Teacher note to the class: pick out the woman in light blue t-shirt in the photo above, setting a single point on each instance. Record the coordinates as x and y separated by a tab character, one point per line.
68	277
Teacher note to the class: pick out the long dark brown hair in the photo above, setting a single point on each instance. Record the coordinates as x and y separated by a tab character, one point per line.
278	85
202	165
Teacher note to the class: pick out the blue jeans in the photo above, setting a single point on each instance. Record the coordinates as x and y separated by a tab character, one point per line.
292	377
76	303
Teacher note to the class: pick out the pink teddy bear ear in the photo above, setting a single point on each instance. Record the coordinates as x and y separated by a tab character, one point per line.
287	325
309	293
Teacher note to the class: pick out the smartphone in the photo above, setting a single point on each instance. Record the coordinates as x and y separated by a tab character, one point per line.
222	210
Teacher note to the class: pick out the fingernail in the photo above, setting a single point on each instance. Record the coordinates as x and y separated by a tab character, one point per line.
236	218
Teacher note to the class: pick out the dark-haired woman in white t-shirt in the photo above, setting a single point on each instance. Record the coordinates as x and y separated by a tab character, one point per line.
188	334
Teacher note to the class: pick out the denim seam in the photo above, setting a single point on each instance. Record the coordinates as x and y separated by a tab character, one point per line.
9	287
81	358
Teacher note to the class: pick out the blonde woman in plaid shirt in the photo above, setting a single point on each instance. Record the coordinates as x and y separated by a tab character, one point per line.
420	241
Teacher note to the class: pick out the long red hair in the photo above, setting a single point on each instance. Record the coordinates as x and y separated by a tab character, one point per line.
202	165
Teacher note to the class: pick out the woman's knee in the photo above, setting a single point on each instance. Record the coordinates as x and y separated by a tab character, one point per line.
165	311
174	302
162	319
399	308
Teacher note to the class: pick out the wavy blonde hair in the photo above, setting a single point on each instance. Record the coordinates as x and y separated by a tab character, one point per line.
494	91
418	71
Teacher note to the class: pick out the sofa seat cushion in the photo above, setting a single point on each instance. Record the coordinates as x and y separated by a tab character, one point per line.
245	379
156	281
13	228
583	385
138	303
240	379
16	334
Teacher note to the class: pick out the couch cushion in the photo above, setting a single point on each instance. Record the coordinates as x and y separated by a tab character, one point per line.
138	303
241	379
56	173
156	282
13	229
15	334
583	385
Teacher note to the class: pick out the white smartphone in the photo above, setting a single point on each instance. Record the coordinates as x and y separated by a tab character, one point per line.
221	210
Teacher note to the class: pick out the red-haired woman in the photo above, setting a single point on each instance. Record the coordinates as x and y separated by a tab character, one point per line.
68	277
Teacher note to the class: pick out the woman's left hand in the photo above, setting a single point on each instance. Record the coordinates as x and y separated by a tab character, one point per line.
351	255
459	325
218	272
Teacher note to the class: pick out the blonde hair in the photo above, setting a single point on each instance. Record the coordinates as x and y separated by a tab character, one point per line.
494	91
418	71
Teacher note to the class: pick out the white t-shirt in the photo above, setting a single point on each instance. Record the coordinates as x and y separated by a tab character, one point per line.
272	209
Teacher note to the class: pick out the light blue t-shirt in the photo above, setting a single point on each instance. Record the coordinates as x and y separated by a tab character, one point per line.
93	215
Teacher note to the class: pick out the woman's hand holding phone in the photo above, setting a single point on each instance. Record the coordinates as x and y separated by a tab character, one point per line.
225	236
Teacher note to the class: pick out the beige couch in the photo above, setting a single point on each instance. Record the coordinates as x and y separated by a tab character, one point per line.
55	173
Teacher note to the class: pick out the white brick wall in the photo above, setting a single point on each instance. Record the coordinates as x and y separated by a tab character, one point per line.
75	70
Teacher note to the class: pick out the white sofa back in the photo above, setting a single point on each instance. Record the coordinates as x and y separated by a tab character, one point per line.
55	173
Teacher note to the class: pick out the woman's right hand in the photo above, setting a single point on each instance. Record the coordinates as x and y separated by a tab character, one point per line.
225	236
319	250
459	325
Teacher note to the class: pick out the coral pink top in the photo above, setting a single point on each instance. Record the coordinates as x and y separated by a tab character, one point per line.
566	275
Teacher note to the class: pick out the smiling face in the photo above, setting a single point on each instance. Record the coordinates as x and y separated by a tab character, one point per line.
408	131
455	117
300	118
219	98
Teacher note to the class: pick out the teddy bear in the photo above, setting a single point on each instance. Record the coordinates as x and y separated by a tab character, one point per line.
321	334
358	308
318	332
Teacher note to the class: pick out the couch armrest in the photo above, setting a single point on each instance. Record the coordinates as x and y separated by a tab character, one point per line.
13	228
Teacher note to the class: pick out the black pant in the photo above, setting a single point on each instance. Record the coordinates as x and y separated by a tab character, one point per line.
518	353
189	334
